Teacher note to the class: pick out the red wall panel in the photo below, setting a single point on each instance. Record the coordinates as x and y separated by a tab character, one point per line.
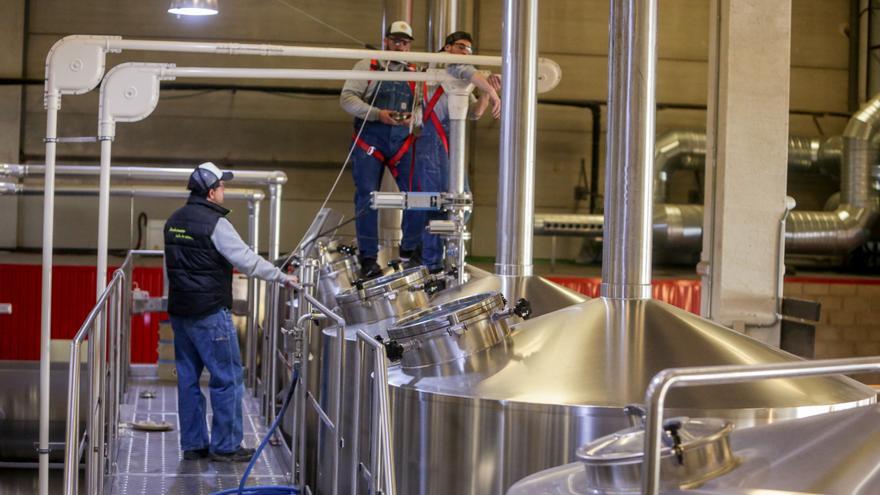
73	296
682	293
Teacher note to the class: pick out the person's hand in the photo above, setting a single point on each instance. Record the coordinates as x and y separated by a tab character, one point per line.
385	116
495	81
496	104
290	280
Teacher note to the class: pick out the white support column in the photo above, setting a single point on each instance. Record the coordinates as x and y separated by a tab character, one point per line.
747	146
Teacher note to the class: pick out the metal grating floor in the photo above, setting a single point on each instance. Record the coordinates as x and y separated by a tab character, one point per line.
150	463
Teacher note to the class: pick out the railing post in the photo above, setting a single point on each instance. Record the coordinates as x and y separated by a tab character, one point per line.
71	458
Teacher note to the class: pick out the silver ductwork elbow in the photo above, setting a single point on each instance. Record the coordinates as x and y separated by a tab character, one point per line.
676	150
847	227
828	232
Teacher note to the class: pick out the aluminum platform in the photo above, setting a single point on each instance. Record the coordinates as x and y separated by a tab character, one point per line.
149	463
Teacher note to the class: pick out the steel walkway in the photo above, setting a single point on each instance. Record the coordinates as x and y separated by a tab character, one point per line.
149	463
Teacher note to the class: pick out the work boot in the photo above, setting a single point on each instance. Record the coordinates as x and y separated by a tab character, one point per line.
370	269
240	455
194	455
410	257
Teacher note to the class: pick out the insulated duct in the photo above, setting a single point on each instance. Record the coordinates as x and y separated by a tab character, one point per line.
686	150
807	232
847	227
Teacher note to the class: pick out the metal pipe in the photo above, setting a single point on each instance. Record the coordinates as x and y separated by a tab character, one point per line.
626	265
435	76
516	178
271	374
113	44
103	214
849	225
126	192
53	104
252	310
664	381
140	173
442	20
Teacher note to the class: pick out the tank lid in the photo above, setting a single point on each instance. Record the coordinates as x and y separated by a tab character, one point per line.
383	284
448	315
693	450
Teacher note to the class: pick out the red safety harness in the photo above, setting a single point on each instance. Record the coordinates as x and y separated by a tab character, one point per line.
371	150
432	116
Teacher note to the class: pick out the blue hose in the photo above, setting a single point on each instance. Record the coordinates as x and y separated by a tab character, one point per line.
267	489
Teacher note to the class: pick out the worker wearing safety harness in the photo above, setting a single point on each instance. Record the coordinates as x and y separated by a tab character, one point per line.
384	110
432	150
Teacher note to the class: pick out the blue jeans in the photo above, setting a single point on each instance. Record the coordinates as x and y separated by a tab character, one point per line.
208	342
432	171
367	173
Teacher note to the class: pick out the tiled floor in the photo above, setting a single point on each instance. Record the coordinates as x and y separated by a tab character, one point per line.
151	462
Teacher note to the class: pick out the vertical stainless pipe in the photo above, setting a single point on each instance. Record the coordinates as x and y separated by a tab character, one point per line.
103	214
516	174
626	260
53	103
442	20
457	155
252	308
270	354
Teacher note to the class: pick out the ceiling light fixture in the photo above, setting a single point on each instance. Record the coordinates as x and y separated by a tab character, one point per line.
194	7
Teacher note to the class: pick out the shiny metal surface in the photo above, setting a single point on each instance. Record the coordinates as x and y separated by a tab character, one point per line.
629	164
452	331
384	297
832	454
337	276
516	171
663	383
697	450
19	410
562	379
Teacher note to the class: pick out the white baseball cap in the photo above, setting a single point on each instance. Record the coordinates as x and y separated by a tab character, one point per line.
206	176
400	28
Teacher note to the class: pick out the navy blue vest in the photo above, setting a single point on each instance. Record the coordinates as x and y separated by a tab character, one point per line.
200	278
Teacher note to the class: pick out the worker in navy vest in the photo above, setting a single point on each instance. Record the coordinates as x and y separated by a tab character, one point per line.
383	139
201	249
432	147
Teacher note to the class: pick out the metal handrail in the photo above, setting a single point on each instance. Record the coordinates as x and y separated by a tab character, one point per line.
108	377
382	481
664	381
336	385
95	330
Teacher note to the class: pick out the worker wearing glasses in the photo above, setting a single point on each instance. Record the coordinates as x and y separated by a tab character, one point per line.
432	150
383	139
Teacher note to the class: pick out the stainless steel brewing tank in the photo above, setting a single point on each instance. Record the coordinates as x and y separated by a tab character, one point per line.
833	454
19	409
560	380
372	307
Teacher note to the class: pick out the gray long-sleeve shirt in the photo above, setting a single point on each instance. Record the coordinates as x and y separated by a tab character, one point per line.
356	95
244	259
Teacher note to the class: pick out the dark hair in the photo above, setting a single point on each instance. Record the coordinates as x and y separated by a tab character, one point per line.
457	36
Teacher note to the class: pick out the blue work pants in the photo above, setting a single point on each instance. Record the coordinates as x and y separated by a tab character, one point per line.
208	342
367	173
